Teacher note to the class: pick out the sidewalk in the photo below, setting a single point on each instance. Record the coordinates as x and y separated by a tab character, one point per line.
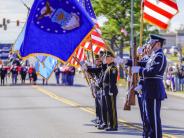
177	94
123	83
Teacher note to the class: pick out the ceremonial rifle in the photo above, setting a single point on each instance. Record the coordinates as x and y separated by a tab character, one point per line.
87	76
134	77
130	99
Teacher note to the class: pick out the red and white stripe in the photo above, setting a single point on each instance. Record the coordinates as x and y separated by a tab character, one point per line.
95	40
80	54
160	12
97	49
88	46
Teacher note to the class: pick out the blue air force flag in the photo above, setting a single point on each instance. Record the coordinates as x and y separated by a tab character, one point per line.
46	67
87	5
55	27
41	58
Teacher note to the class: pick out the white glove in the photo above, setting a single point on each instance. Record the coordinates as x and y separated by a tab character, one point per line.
135	69
117	60
139	50
138	88
110	94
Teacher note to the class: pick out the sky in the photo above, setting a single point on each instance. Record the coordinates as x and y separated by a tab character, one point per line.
14	10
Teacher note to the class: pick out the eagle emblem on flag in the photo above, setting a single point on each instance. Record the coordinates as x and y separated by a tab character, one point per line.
55	18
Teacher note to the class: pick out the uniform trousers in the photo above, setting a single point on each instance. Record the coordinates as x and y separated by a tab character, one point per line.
98	107
112	110
104	109
152	119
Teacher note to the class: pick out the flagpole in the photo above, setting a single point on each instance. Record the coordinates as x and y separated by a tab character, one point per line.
130	99
88	55
141	24
132	26
92	52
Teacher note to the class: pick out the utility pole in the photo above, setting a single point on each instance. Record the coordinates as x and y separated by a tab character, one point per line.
132	29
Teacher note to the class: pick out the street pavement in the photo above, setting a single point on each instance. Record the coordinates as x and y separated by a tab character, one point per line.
66	112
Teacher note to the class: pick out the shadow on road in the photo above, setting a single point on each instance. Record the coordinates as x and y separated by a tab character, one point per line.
122	130
173	130
126	130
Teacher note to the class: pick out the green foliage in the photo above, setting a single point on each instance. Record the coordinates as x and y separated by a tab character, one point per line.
118	14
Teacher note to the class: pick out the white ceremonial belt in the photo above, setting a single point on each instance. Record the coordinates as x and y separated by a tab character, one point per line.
161	78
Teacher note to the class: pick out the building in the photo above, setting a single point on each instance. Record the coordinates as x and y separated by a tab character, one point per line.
5	52
173	39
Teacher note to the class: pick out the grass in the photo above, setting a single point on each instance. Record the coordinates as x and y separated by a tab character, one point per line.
126	49
182	92
172	58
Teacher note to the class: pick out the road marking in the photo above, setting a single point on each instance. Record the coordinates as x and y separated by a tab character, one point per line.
87	109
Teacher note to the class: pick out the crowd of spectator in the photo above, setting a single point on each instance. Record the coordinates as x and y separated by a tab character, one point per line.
174	78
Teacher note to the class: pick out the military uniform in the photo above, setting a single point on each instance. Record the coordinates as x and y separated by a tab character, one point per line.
153	87
111	91
101	107
103	98
154	91
142	62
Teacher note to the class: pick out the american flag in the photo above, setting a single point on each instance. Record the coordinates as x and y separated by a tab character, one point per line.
80	54
96	49
159	12
96	37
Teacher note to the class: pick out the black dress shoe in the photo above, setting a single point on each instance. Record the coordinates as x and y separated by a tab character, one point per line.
101	127
111	129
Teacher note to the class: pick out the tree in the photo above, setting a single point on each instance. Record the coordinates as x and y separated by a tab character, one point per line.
118	14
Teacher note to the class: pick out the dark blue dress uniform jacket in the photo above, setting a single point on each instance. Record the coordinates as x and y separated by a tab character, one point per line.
152	74
110	80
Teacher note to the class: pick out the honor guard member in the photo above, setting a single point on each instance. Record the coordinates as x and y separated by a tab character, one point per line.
143	58
95	73
139	89
3	73
103	106
154	91
111	91
103	67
